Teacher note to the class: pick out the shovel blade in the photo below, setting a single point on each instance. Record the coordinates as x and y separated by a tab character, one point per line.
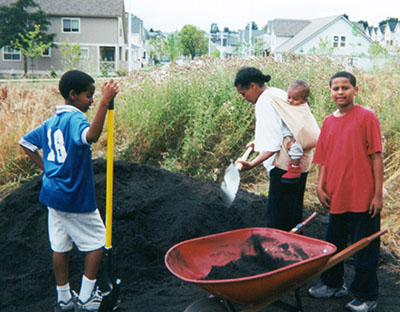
230	184
111	301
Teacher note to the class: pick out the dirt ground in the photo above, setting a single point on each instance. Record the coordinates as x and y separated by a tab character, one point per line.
153	210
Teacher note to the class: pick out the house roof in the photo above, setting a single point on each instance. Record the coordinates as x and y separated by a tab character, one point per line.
98	8
288	27
311	30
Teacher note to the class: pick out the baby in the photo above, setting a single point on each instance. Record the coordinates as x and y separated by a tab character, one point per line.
298	92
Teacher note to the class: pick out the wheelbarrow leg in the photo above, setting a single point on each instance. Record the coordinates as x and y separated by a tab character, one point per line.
298	300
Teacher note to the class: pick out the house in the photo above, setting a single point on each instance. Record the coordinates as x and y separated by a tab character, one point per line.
391	35
98	26
225	42
334	35
138	55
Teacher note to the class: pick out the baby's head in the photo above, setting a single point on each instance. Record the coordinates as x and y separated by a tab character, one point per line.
298	92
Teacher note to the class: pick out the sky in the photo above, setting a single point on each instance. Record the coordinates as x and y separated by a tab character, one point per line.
172	15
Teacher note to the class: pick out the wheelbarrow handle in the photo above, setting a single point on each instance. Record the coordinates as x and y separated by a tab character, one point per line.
299	227
244	157
352	249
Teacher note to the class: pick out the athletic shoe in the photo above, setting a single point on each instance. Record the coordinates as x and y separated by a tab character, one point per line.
359	305
93	303
67	306
292	175
323	291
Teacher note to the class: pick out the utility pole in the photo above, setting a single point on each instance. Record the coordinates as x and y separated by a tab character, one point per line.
222	44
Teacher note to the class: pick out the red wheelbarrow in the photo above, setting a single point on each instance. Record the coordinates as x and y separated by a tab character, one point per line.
192	260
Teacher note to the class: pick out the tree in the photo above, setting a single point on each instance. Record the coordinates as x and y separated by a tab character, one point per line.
21	18
156	48
71	54
253	26
31	44
171	46
324	47
193	41
214	28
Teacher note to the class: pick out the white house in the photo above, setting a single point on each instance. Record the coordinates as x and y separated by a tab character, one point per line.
335	33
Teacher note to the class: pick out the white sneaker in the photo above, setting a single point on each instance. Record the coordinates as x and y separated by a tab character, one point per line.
67	306
323	291
93	303
359	305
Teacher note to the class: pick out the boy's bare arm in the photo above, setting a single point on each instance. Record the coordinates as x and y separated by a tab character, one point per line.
109	91
377	171
37	159
322	196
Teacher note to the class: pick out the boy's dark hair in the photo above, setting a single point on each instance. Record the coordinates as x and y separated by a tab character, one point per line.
247	75
344	74
74	80
304	85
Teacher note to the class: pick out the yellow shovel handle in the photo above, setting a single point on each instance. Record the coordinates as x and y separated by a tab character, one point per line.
110	171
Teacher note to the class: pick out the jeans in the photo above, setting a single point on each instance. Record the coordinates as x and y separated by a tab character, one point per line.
355	226
285	201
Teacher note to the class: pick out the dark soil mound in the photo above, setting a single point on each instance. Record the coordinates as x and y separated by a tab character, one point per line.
153	210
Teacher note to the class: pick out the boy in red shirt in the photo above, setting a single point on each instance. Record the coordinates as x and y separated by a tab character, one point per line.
349	150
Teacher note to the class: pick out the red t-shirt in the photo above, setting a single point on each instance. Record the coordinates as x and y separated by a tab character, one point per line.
343	147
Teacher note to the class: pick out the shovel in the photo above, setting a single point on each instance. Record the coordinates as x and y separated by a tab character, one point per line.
110	300
230	184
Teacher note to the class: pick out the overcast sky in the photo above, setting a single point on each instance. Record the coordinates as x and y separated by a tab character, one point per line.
171	15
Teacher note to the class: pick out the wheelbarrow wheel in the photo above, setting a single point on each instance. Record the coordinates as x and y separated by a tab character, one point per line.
207	305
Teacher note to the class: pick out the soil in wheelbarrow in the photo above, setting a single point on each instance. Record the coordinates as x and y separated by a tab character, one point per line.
261	261
153	210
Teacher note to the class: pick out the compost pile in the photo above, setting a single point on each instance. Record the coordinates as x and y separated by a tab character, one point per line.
154	209
260	262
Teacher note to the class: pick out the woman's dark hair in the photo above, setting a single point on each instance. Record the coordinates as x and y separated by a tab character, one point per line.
247	75
344	74
74	80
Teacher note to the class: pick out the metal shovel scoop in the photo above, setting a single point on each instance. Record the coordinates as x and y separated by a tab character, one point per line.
230	184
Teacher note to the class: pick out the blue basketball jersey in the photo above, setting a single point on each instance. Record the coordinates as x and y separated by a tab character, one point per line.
68	181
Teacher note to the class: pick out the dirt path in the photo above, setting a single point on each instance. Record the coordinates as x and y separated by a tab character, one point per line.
153	210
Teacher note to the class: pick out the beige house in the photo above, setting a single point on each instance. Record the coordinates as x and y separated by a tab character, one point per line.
98	26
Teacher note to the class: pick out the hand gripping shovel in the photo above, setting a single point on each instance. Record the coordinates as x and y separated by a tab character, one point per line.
230	184
110	300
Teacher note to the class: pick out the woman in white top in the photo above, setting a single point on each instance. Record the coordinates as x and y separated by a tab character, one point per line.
285	200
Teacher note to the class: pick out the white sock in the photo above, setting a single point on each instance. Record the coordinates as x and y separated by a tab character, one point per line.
86	288
63	293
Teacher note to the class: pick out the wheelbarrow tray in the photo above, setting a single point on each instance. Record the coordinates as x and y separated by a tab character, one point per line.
193	259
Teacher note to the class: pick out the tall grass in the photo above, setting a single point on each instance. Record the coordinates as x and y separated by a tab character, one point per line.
190	119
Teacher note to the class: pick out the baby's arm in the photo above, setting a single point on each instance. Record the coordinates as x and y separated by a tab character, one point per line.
109	91
35	156
290	143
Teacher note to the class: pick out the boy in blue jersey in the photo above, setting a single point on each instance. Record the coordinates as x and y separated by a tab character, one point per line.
68	184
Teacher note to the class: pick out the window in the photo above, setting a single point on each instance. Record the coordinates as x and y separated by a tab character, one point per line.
339	41
84	53
46	53
342	41
10	54
71	25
